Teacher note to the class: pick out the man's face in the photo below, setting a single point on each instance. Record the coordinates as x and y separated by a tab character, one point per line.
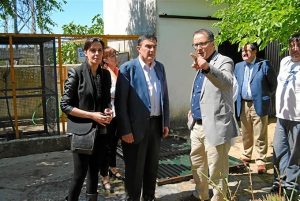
203	46
248	54
294	50
147	51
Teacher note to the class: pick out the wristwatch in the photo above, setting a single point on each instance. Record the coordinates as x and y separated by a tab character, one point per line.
206	71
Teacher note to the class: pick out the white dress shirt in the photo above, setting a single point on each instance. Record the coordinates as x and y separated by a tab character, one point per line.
154	87
288	90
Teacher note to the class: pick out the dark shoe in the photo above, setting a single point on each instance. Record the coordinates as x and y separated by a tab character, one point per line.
128	198
116	174
148	198
261	169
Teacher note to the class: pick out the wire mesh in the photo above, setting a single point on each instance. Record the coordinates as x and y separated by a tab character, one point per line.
32	82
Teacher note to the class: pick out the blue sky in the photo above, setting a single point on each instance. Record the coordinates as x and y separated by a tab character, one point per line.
79	11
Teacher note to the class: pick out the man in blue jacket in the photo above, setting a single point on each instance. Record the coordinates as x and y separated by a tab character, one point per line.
256	83
142	111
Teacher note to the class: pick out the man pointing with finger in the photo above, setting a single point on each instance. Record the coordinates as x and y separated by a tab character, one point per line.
211	118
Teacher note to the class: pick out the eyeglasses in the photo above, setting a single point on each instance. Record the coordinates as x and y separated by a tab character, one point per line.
200	44
115	54
94	40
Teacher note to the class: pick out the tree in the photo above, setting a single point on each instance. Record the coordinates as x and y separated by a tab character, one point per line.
21	11
257	21
69	49
6	8
96	28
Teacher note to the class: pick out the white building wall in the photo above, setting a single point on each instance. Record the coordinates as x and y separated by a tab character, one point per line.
200	8
115	16
123	17
129	16
174	39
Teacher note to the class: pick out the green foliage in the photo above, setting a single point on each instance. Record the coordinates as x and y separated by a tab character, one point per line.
97	25
257	21
96	28
69	49
69	52
6	8
42	9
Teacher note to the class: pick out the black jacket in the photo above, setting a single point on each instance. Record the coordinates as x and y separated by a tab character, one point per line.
80	93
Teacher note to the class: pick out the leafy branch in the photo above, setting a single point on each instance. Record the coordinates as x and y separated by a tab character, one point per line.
257	21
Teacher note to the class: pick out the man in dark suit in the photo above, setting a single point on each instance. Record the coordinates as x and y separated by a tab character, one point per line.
142	110
257	82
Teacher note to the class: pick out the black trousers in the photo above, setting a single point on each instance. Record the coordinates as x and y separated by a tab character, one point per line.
141	162
88	165
111	147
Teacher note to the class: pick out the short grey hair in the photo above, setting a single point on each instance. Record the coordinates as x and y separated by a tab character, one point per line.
209	33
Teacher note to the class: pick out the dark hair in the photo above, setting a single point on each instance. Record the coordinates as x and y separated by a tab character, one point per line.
209	33
146	37
253	46
295	37
89	41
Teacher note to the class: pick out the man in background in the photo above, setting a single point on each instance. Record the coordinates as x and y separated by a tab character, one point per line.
257	82
286	142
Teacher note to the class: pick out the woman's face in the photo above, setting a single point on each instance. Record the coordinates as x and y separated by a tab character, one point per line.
94	54
112	60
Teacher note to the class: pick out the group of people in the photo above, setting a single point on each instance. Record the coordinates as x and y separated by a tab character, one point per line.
132	104
212	120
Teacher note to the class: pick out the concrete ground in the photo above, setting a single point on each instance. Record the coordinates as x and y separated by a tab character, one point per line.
47	176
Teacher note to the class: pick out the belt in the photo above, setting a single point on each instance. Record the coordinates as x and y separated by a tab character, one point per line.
248	101
155	117
199	121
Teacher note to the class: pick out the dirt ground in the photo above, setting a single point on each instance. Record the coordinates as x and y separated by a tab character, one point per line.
46	177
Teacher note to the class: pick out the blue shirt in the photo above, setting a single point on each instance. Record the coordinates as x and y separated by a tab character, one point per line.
246	90
195	102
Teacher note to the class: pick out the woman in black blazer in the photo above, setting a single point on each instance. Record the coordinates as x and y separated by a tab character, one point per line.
86	99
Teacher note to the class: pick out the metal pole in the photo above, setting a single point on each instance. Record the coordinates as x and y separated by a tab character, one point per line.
13	84
61	73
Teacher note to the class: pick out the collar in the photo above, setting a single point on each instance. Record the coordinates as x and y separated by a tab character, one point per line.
145	66
252	62
210	57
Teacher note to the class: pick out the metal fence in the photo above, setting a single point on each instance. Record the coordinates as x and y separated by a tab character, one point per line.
274	54
28	89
